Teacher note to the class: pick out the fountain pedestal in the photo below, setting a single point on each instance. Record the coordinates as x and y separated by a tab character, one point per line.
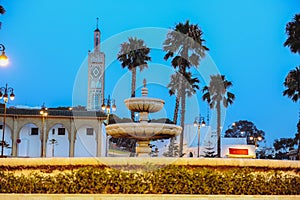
143	150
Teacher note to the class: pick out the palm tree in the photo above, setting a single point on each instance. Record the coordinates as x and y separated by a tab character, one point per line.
2	10
293	31
190	84
174	87
189	87
292	84
133	54
214	94
185	45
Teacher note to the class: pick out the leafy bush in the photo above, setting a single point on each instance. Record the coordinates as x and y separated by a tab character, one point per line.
167	180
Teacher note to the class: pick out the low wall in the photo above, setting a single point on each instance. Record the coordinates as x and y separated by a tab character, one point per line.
139	197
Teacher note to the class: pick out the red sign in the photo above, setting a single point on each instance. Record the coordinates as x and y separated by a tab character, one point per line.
236	151
18	141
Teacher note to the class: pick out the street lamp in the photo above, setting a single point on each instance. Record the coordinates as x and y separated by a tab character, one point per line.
108	105
43	113
4	95
198	123
3	57
255	139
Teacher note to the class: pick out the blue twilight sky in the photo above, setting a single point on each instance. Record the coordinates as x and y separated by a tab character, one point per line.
47	42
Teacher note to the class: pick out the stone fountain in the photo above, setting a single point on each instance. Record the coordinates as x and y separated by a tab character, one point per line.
143	131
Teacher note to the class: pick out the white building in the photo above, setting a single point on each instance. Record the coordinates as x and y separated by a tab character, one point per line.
230	147
61	134
190	143
237	148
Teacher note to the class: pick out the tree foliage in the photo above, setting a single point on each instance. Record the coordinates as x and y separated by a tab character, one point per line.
217	91
293	31
2	10
134	53
209	151
172	151
265	153
292	84
244	128
283	144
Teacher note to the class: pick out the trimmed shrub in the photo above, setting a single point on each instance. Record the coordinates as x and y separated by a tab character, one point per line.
165	180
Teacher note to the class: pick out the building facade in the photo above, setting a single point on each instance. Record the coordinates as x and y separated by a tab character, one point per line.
230	147
96	74
62	133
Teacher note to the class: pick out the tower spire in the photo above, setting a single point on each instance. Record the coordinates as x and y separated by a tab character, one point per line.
97	19
97	37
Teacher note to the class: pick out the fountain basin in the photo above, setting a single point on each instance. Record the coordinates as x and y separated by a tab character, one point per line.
144	104
143	131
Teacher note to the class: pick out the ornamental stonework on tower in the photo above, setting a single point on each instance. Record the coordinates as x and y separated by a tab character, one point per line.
96	75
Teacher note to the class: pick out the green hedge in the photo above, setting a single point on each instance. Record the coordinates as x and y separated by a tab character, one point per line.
167	180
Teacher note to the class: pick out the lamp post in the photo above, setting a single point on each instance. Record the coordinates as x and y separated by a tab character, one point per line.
43	113
198	123
108	105
4	95
53	142
255	139
3	57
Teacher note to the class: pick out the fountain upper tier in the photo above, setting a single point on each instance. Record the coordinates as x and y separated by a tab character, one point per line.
144	104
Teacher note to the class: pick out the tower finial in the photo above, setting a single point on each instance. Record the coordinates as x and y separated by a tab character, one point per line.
97	22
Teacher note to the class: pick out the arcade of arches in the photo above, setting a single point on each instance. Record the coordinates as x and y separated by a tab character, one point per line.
62	133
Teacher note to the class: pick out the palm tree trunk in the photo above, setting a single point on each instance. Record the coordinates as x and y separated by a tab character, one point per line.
298	151
182	118
218	107
176	109
298	125
182	70
133	86
298	140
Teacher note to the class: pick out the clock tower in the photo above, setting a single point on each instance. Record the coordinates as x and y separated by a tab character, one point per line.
96	75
